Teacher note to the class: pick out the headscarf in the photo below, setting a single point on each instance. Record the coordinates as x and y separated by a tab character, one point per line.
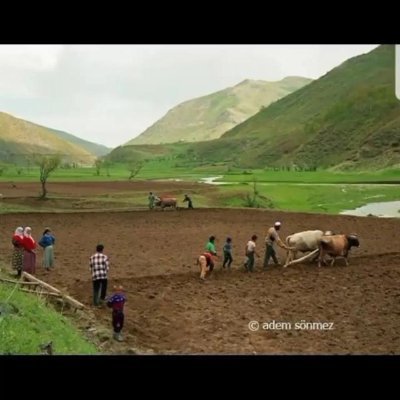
19	232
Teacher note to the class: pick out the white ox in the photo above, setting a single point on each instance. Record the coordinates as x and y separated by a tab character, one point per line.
303	242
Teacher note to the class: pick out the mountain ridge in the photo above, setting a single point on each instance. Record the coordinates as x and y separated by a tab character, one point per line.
208	117
20	138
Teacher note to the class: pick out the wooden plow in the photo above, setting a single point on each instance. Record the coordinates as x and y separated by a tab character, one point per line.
304	258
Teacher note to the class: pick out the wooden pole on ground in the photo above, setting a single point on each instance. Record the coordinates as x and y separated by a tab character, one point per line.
67	298
19	282
32	278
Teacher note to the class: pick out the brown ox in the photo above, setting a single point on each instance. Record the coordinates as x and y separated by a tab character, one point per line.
167	202
336	246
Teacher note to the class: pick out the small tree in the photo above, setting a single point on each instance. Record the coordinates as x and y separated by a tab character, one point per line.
134	168
251	200
98	163
47	164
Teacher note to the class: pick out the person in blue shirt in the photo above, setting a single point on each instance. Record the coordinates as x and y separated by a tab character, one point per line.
117	301
227	253
47	242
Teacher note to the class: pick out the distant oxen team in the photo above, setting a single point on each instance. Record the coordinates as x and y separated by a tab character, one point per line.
167	201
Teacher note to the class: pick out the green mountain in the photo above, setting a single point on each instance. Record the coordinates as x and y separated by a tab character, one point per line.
208	117
348	118
20	139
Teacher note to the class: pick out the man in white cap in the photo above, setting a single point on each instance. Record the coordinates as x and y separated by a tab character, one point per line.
271	238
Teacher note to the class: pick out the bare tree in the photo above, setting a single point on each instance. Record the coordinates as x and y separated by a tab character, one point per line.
134	168
98	163
47	164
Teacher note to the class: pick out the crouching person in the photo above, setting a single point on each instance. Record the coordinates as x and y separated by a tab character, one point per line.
206	264
117	302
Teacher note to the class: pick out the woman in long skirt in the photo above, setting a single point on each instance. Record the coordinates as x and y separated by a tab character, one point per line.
18	250
47	241
29	262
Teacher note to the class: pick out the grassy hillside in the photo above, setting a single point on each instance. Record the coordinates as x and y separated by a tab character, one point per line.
129	153
26	322
208	117
93	148
349	118
20	139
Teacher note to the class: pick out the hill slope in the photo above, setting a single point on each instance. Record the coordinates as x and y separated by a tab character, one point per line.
349	118
19	139
93	148
208	117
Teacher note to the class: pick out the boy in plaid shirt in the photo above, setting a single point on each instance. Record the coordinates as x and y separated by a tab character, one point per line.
99	266
117	302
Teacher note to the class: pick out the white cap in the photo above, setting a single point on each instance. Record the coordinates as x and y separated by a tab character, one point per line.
277	223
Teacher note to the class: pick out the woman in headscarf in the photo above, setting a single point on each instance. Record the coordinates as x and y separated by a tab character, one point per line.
18	250
29	263
47	241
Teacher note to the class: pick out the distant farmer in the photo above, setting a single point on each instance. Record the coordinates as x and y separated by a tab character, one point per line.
18	250
117	302
152	200
47	241
271	238
99	266
250	251
188	200
227	253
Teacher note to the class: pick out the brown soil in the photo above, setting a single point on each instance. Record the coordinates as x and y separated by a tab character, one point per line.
87	189
170	311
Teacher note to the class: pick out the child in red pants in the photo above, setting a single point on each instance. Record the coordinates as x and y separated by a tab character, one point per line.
117	302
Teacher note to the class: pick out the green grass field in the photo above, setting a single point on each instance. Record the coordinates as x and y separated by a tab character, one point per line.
321	191
182	169
34	324
316	198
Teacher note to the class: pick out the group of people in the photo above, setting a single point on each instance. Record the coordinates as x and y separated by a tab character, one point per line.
206	260
24	250
24	259
153	199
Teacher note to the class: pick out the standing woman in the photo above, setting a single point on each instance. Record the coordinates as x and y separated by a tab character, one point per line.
18	250
29	263
47	241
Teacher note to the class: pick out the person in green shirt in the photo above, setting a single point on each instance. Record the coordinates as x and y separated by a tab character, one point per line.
210	248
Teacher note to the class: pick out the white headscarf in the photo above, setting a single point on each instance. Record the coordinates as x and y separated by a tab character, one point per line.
28	231
19	232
